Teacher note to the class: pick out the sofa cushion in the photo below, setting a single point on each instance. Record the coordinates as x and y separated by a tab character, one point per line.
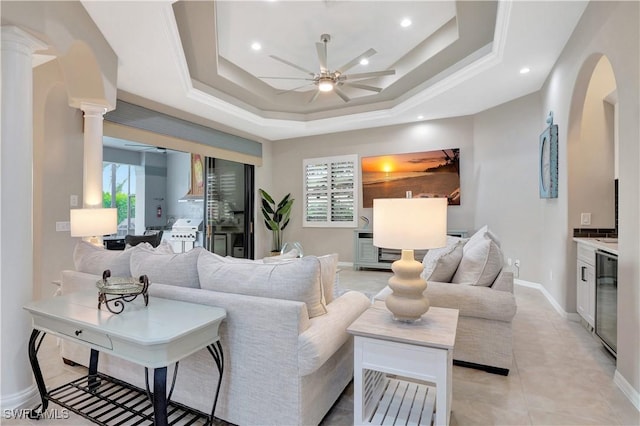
297	280
179	269
441	264
93	259
480	265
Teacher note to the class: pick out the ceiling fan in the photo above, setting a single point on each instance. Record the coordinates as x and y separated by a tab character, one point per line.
327	80
144	147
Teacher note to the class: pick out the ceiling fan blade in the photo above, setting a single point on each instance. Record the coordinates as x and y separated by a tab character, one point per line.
284	61
355	61
322	56
294	89
364	87
341	94
314	97
369	74
287	78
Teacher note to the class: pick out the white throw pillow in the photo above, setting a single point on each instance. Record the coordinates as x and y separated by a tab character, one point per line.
481	235
328	270
291	254
291	280
179	269
93	259
480	265
441	264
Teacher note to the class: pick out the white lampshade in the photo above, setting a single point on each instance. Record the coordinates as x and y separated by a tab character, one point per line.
93	222
410	223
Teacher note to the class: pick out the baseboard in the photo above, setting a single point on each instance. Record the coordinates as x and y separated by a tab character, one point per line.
27	398
628	390
346	264
564	314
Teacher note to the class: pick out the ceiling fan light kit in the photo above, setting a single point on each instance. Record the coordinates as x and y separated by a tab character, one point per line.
327	80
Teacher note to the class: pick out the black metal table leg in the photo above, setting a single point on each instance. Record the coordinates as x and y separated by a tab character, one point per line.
34	346
160	396
218	357
94	381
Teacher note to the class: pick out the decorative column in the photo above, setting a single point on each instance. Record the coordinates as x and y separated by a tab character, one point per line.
92	169
16	215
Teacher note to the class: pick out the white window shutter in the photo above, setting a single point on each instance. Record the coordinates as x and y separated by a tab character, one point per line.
331	191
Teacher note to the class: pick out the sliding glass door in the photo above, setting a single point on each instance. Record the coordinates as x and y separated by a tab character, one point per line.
229	208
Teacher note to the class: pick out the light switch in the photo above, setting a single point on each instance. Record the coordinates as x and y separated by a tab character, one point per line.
73	201
585	218
63	226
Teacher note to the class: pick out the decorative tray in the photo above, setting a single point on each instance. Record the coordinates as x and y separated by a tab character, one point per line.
121	289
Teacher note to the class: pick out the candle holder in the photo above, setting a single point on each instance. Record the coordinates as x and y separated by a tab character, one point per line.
116	290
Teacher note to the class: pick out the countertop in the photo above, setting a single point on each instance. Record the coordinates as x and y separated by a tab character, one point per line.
607	244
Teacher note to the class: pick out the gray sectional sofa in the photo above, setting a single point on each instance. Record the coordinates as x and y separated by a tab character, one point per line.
287	354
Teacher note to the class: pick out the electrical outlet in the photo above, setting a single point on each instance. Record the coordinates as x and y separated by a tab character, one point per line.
585	218
63	226
73	201
509	261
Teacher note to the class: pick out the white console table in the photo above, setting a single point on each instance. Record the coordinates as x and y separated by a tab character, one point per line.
387	351
154	336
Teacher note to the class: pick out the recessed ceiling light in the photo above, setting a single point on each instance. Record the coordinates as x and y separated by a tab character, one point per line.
364	61
524	70
406	22
420	117
256	46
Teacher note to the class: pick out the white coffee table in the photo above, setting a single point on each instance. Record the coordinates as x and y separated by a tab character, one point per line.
388	352
154	336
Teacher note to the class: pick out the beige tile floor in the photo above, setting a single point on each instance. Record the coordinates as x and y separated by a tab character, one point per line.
561	375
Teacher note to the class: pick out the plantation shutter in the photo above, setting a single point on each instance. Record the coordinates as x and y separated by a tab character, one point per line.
330	191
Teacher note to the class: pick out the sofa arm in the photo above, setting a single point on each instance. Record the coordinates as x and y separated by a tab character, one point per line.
504	281
327	333
77	281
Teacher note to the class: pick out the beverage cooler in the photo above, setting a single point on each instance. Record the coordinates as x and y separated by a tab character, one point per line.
607	299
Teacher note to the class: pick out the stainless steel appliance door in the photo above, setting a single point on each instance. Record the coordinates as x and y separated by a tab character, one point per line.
607	299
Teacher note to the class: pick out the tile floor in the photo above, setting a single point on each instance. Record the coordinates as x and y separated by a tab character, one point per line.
560	376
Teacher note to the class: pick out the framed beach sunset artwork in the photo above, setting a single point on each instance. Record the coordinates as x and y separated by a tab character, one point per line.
425	174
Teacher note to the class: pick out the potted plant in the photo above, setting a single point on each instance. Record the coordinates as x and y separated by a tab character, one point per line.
276	216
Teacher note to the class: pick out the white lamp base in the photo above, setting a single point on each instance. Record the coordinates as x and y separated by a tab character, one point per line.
407	303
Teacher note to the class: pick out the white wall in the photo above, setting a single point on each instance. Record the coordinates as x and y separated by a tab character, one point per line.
609	28
505	172
591	170
415	137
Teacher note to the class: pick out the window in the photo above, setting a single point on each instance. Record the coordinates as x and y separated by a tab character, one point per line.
331	191
119	191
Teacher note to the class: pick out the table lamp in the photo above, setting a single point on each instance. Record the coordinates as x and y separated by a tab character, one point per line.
409	224
93	223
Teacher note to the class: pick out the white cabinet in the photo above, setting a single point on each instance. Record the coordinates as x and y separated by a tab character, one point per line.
586	284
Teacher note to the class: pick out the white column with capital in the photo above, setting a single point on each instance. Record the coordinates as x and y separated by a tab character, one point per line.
92	170
16	216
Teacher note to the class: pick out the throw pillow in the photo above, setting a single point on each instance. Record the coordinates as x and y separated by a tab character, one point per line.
179	269
481	235
328	271
291	254
480	264
441	264
292	280
93	259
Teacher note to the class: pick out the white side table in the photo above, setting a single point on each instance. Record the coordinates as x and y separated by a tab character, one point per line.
386	352
154	336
